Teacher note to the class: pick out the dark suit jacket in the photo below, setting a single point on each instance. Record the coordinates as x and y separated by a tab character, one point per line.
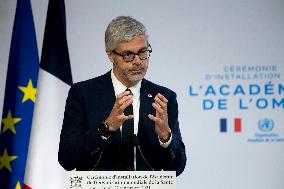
89	103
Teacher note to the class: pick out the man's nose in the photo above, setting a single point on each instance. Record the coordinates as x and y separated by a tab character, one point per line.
136	59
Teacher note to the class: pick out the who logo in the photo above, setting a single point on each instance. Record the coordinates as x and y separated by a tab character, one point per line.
265	125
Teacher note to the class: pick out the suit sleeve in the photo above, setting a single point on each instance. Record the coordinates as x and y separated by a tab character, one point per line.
76	141
175	152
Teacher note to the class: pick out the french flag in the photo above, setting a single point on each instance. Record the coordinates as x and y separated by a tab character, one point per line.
237	125
43	170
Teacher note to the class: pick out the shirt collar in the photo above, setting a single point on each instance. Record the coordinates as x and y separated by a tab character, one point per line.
119	87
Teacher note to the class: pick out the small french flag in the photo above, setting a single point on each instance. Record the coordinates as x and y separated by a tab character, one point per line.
237	125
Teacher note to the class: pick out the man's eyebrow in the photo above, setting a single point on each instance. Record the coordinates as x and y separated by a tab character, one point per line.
128	51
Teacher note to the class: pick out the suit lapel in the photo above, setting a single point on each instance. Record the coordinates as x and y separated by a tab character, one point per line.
108	91
146	99
109	98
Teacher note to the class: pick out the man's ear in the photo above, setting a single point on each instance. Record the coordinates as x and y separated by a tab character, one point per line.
110	55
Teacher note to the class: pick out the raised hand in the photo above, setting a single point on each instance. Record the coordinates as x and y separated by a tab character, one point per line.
161	119
117	117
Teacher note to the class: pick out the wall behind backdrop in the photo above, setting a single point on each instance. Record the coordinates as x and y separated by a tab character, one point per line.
224	59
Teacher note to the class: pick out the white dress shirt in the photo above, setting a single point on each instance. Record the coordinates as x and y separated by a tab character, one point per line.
120	88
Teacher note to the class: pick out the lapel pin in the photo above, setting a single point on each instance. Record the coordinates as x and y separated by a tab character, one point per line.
150	96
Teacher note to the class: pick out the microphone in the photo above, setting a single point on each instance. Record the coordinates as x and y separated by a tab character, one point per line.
136	142
99	149
102	146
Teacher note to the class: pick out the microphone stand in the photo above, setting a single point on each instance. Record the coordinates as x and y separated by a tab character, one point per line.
136	142
99	149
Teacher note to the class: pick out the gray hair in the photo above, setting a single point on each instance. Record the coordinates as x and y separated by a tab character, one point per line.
123	28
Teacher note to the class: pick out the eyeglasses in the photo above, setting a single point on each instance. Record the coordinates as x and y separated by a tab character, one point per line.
129	56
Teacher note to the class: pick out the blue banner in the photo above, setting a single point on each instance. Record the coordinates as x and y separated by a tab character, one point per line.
20	94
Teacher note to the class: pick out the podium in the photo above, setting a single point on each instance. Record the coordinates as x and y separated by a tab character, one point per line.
121	180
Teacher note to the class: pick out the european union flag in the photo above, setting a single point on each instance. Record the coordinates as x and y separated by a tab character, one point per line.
19	98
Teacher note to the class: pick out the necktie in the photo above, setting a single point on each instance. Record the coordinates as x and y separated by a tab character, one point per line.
127	145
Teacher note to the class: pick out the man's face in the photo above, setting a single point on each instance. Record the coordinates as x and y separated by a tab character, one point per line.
129	73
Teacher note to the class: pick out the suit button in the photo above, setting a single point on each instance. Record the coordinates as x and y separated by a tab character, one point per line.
173	154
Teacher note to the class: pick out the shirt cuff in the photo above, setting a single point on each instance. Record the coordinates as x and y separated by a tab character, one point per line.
166	144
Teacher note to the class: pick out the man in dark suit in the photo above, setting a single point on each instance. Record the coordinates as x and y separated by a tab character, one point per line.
121	121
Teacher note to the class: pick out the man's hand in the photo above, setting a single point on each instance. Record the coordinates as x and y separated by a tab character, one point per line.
161	119
117	117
